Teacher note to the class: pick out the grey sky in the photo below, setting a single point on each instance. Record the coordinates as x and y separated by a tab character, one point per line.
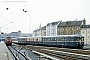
40	11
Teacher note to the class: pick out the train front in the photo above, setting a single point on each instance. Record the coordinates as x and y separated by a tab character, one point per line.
8	41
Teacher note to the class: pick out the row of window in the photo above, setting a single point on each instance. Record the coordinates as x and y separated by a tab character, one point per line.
67	33
57	39
68	28
85	32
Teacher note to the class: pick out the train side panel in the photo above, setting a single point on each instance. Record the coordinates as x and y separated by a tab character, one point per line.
58	41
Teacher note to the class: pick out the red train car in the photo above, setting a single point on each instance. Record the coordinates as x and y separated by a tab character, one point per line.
8	41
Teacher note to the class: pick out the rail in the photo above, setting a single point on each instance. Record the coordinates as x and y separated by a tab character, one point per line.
17	54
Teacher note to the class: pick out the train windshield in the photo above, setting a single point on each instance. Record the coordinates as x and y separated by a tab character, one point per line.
8	37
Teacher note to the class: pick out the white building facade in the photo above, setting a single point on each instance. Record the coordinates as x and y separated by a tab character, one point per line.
85	31
51	28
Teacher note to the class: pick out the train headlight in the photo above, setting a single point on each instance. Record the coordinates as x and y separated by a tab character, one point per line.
76	43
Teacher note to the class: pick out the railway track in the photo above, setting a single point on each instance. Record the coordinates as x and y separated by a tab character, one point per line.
17	55
77	51
59	53
64	53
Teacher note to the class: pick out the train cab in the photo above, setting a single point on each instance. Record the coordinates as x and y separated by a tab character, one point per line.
8	41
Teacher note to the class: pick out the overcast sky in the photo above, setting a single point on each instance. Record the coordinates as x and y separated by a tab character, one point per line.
40	11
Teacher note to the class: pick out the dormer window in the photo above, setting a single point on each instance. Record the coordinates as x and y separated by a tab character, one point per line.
83	32
51	24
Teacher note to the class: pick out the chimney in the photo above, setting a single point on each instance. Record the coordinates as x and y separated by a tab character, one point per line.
60	20
84	21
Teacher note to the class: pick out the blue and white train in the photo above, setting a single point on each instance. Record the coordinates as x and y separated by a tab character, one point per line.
70	41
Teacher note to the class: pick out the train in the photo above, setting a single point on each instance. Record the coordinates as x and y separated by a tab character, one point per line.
69	41
8	41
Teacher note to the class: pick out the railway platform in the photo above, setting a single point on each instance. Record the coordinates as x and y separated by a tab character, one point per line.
4	52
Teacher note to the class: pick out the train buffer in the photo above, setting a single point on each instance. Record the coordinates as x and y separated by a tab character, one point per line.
4	52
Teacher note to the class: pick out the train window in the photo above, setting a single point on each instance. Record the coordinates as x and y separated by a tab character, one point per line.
33	39
47	39
77	39
82	39
58	39
54	39
62	39
36	39
72	39
51	39
43	39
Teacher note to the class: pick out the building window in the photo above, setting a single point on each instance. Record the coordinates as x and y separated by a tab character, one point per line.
72	28
88	31
83	32
88	37
61	28
69	33
68	28
77	28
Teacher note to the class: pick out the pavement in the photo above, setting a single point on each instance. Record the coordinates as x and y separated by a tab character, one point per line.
4	52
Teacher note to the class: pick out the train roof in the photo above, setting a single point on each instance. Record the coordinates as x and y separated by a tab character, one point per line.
64	36
53	36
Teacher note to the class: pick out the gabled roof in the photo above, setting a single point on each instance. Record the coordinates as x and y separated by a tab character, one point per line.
53	23
42	28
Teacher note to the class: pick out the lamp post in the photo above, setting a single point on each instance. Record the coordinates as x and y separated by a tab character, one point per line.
2	27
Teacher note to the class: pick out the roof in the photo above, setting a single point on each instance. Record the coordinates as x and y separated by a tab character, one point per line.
42	28
71	23
13	32
85	26
53	23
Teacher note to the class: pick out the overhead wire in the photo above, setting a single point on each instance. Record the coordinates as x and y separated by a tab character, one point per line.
24	9
6	8
32	4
